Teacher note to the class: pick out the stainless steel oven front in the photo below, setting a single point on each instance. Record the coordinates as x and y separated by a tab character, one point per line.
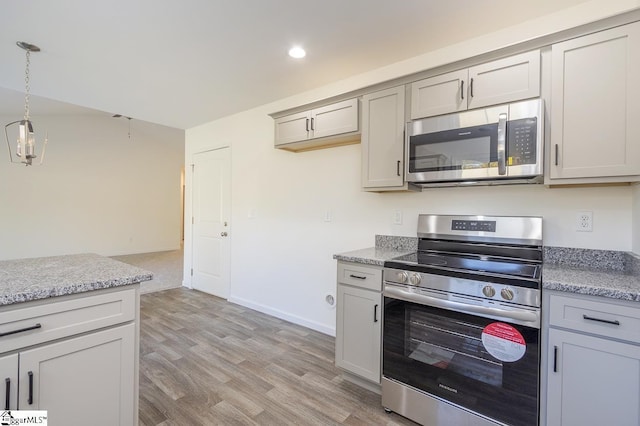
459	358
461	323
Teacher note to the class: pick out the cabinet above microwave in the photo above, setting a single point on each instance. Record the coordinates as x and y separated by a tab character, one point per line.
504	80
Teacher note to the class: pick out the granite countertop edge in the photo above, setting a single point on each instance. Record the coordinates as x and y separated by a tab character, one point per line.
603	273
26	280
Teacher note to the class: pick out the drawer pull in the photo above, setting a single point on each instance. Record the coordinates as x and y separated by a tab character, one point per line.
8	397
614	322
22	330
359	277
30	400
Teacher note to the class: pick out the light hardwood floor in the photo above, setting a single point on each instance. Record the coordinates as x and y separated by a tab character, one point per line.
205	361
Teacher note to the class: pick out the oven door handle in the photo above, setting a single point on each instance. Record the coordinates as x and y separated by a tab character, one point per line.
520	315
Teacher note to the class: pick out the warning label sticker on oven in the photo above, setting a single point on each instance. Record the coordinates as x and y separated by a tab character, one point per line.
503	342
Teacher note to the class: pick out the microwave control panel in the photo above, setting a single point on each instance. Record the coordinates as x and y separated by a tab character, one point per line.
521	141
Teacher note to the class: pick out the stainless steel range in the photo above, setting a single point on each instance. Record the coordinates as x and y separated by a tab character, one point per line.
461	330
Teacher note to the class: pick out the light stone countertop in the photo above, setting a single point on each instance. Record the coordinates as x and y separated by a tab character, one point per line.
605	283
371	256
24	280
603	273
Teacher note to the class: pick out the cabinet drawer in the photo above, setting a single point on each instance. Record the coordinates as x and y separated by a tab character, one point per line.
368	277
590	316
59	319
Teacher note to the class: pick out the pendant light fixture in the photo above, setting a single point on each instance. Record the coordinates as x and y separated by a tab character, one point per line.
26	142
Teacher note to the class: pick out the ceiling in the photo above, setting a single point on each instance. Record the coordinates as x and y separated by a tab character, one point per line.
185	63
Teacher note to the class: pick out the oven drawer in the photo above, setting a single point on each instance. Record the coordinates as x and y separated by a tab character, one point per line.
31	324
611	320
369	277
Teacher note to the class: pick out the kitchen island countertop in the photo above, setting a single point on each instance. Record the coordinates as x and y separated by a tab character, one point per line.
24	280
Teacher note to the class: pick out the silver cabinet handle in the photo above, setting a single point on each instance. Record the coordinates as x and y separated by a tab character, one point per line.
462	89
502	154
471	88
398	168
556	154
307	125
223	234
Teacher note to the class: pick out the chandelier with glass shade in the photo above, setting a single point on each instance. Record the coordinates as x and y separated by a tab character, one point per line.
25	150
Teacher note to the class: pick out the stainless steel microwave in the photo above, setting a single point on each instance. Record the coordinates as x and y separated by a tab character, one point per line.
495	145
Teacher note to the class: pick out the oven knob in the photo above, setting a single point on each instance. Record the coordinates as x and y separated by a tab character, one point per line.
415	279
488	291
402	277
506	293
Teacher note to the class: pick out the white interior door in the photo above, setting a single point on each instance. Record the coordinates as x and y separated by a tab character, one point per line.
211	210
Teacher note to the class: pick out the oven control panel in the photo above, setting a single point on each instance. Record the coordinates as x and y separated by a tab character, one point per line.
473	225
495	292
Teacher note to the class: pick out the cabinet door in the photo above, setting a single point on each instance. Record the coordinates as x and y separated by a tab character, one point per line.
88	380
292	128
9	382
437	95
595	105
505	80
358	331
334	119
383	138
596	381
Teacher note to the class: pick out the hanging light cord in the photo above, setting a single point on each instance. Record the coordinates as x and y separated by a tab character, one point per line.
27	87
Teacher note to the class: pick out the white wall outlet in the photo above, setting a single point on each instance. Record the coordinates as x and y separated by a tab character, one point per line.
397	217
328	216
584	222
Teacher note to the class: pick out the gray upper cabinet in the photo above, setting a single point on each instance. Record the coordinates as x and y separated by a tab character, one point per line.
504	80
299	131
383	140
595	107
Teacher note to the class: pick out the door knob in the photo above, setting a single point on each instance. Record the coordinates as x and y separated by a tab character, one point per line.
223	234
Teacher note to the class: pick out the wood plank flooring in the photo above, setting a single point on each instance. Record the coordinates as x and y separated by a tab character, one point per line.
205	361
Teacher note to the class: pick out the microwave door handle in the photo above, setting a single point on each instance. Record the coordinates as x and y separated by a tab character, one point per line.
502	145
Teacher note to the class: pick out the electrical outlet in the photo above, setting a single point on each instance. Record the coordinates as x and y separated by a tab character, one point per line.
328	216
397	217
584	222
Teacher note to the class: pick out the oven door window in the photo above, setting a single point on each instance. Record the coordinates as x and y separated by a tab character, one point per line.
459	149
461	358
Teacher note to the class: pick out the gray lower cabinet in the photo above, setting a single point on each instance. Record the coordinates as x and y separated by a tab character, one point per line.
593	362
358	320
74	356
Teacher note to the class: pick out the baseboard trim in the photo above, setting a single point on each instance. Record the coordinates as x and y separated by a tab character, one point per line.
283	315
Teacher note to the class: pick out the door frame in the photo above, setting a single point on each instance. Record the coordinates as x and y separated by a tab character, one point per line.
188	216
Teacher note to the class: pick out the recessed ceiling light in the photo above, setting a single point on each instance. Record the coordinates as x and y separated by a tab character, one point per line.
297	52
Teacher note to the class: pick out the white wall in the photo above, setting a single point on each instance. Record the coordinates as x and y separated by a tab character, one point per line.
281	258
97	191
